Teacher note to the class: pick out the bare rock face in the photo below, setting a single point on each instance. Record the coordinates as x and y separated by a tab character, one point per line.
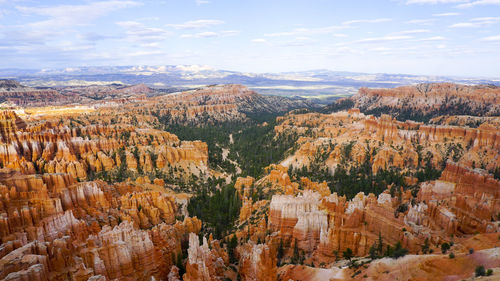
432	267
386	142
463	200
203	263
322	188
220	103
326	225
258	262
298	218
10	123
356	225
243	185
278	178
148	208
174	274
14	93
87	150
123	251
50	229
431	98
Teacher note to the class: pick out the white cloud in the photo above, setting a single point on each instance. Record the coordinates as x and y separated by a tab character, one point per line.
287	33
384	39
326	29
477	22
201	2
381	49
421	21
138	32
208	34
64	16
55	23
227	33
297	41
492	38
479	3
259	40
465	24
433	38
194	24
200	35
366	21
434	1
446	14
412	31
145	53
487	20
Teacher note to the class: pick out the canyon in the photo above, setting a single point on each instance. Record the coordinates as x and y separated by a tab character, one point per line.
106	183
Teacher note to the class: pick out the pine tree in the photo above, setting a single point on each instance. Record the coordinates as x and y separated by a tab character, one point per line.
280	251
425	247
380	246
295	257
230	248
373	251
347	254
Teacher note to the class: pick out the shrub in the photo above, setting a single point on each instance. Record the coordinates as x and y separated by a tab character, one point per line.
480	271
347	254
451	255
399	251
489	272
445	247
425	247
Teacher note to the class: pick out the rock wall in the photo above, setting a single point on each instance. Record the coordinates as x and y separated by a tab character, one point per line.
463	200
52	227
481	100
203	263
85	150
386	142
298	218
258	262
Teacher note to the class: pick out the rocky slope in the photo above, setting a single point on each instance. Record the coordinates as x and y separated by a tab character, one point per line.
53	228
215	104
351	137
99	194
424	101
312	227
83	151
322	227
13	92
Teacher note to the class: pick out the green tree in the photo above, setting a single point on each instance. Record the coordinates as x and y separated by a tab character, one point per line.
425	247
480	271
280	251
179	263
347	254
445	247
233	243
399	251
373	251
295	257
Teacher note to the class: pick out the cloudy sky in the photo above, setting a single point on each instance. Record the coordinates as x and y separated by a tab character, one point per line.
437	37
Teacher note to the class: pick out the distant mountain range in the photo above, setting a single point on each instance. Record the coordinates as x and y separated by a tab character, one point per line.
320	85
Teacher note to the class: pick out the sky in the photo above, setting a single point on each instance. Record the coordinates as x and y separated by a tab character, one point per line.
429	37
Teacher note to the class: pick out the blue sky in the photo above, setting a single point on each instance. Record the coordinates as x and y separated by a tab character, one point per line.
435	37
